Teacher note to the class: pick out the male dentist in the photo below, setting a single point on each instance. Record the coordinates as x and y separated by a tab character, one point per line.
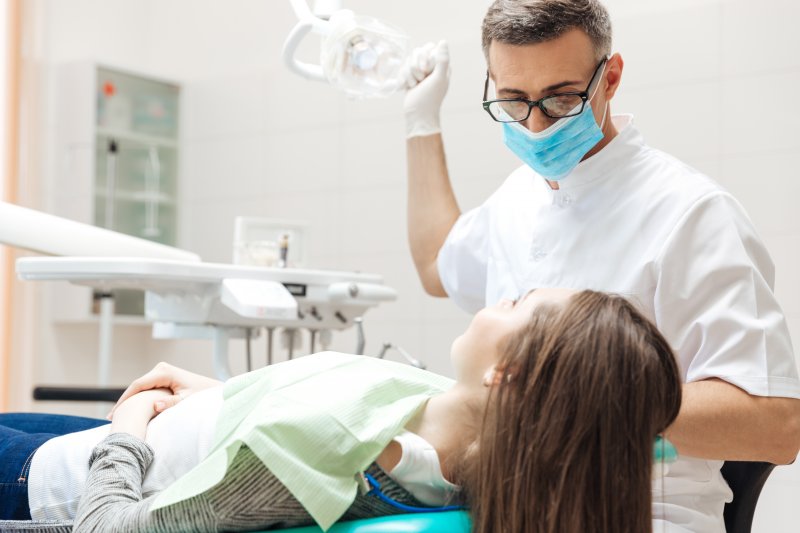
595	207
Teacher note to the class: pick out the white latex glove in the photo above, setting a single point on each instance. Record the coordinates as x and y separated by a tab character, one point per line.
427	74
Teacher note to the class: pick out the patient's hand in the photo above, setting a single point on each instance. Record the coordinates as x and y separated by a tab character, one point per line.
181	383
133	415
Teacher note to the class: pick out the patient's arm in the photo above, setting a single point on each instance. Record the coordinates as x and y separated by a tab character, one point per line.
248	498
181	382
113	500
135	413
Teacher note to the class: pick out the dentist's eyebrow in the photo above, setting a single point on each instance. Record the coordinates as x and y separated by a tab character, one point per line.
516	92
548	89
557	86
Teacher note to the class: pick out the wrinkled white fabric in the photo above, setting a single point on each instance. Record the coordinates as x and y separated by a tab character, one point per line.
420	473
180	437
635	221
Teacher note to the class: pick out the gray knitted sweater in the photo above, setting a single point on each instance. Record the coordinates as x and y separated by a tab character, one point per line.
248	498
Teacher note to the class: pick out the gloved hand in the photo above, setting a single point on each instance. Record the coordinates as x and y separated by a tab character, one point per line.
427	74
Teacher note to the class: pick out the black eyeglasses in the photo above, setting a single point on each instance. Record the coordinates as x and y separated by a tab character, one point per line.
555	106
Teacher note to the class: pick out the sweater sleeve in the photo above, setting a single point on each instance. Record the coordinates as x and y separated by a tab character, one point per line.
249	498
113	500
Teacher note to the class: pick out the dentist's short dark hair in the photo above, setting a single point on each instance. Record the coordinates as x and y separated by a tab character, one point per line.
520	22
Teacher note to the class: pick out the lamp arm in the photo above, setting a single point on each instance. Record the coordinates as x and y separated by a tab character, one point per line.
298	33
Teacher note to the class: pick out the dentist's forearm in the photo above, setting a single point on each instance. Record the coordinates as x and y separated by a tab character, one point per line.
720	421
432	207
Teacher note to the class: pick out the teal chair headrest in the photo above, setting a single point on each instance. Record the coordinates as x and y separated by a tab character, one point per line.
445	522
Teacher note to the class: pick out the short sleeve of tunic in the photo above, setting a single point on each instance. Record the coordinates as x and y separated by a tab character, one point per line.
714	300
462	260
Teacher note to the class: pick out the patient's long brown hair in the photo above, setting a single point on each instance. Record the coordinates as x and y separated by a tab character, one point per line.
567	441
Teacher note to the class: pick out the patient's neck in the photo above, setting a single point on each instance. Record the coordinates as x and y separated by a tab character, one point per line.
451	420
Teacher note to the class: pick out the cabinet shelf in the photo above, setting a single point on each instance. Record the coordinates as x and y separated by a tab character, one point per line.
139	197
119	320
140	138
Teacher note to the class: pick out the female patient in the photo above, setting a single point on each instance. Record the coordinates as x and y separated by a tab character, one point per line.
549	427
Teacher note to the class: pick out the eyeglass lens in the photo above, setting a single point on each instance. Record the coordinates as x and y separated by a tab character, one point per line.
556	106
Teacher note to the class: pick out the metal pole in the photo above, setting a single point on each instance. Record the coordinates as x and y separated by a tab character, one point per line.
221	368
270	331
106	338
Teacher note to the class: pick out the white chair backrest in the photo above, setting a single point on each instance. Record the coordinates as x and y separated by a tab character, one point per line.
48	234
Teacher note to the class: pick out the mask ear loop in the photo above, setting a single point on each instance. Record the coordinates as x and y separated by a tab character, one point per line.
603	121
597	87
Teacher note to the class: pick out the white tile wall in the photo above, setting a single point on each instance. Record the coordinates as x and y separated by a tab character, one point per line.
693	108
303	160
768	186
710	81
784	249
750	124
369	154
759	38
670	48
241	111
475	150
221	168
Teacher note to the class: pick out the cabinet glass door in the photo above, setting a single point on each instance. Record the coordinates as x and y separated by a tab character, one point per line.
136	163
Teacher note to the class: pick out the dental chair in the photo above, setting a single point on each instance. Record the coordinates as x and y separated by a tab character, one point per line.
444	522
746	480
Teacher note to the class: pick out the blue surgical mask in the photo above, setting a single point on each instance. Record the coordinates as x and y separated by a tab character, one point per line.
557	150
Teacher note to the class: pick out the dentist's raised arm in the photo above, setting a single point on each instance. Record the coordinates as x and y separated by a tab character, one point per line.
432	206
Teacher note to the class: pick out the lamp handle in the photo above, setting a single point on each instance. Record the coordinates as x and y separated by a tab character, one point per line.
298	33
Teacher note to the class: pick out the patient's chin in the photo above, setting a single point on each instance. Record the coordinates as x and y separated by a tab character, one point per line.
456	349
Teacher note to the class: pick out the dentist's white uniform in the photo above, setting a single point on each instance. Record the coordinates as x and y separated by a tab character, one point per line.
634	221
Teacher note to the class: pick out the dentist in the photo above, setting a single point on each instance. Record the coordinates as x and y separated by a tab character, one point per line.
593	206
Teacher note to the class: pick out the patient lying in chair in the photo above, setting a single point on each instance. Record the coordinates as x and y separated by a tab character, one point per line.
557	400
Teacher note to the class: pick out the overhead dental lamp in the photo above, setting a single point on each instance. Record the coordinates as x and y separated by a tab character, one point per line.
359	55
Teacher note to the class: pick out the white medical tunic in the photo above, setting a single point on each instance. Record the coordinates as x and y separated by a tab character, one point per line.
637	222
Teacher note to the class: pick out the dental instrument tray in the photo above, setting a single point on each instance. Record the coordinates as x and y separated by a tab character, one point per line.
188	292
193	299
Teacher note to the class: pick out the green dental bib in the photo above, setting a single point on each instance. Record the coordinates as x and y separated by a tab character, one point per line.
314	422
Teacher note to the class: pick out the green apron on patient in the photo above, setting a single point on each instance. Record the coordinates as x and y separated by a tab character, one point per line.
315	422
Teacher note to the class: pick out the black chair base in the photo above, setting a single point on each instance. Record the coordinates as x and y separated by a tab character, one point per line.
746	479
77	394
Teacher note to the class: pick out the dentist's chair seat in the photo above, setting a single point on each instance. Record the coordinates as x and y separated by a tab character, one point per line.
746	479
